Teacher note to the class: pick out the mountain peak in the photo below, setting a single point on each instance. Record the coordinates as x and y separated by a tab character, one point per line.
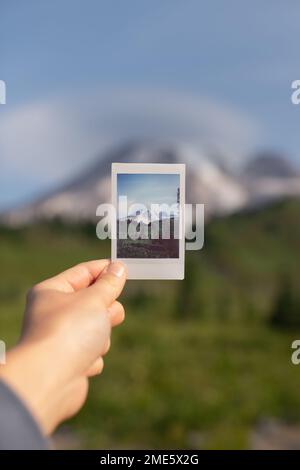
270	165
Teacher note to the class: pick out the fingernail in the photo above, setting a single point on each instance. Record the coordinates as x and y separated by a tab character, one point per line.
117	269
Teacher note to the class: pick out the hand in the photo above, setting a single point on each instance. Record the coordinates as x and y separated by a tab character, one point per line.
66	333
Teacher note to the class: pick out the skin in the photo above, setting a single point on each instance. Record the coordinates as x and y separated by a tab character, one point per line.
66	332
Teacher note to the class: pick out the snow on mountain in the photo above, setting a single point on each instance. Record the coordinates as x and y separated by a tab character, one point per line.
270	176
206	182
144	217
147	216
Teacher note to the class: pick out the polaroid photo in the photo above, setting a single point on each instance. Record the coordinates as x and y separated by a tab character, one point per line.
148	226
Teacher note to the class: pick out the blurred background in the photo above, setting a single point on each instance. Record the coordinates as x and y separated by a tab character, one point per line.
204	362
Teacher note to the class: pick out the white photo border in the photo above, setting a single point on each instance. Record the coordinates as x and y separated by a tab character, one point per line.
156	268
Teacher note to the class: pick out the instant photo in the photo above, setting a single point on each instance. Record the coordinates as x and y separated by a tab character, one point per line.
149	203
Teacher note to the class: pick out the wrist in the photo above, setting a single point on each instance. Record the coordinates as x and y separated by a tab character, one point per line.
31	378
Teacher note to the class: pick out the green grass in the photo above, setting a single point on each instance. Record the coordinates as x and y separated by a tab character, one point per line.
196	363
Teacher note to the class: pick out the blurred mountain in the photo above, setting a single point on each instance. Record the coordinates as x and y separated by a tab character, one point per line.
270	165
264	179
270	176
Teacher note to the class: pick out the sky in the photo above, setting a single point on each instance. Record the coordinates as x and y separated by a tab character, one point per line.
148	189
82	76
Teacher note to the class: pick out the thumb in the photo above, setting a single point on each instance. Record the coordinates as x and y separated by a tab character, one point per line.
110	283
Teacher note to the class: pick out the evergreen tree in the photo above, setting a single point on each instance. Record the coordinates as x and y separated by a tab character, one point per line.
285	311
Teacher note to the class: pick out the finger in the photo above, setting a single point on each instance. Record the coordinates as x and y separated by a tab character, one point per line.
96	368
98	364
78	277
116	313
110	283
107	347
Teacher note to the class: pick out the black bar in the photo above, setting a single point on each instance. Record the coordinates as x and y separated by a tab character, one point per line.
145	458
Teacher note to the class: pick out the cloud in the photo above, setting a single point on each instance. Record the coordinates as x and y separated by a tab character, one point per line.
48	141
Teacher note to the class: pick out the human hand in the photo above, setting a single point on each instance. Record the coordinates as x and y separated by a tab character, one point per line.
66	333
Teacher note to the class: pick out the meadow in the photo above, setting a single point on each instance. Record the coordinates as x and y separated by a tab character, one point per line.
197	363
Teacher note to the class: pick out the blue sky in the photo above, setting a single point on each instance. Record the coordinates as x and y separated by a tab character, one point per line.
82	74
148	189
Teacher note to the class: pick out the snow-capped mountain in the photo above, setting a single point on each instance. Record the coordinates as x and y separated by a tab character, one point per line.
147	216
268	177
142	218
207	182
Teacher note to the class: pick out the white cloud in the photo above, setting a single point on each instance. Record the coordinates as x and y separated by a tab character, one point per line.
48	141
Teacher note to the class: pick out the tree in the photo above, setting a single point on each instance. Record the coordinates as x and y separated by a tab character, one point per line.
187	304
285	311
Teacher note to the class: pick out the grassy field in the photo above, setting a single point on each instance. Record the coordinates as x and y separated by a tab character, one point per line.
197	363
148	249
